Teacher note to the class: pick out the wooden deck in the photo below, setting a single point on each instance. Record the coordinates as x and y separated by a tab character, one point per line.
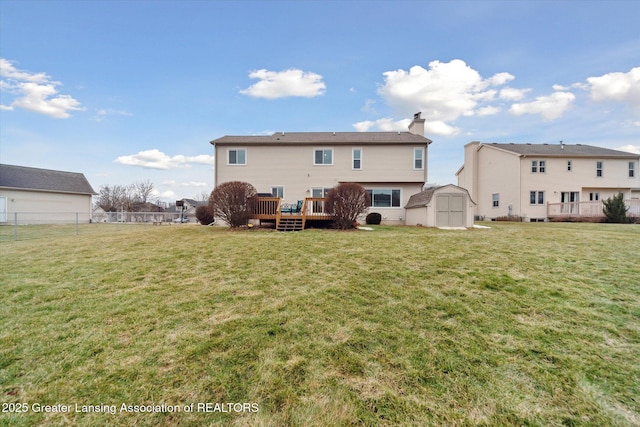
587	209
270	209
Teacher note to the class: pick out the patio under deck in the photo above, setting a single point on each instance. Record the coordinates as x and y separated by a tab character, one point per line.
286	219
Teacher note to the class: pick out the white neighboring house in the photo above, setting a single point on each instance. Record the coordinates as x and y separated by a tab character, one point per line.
294	166
542	181
43	196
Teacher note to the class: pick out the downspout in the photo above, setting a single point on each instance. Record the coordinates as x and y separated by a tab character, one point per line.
520	185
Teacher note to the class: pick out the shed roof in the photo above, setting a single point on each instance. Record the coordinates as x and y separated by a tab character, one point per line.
424	197
27	178
332	138
562	150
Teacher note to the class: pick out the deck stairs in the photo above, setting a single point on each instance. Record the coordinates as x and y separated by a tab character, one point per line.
290	224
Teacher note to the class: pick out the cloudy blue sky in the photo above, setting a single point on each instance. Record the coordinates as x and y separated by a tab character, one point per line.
127	91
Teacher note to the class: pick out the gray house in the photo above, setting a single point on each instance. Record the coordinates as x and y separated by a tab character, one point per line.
42	196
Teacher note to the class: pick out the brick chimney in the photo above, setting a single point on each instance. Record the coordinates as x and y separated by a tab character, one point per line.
416	127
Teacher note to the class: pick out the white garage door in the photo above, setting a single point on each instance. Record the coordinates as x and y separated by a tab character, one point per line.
450	210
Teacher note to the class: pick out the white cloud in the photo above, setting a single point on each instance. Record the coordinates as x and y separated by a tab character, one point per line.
383	125
156	159
500	78
283	84
35	92
369	106
103	114
185	183
512	94
434	127
8	71
630	148
444	92
440	128
550	107
488	111
617	86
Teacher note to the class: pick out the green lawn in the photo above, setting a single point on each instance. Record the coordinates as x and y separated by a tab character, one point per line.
520	324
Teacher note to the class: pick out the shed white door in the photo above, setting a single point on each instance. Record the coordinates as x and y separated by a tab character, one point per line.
450	210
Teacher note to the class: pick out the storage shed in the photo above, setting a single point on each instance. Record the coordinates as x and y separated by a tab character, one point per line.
443	206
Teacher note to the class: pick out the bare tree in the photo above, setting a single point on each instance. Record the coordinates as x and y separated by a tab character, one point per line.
142	191
124	197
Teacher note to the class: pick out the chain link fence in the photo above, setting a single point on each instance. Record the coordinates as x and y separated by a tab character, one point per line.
37	225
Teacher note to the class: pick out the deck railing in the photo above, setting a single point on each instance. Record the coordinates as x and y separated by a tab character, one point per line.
588	209
271	208
265	207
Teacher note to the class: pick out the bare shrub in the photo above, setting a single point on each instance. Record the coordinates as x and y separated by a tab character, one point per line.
231	202
204	215
346	202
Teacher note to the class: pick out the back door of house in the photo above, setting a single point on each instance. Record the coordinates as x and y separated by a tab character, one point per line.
450	210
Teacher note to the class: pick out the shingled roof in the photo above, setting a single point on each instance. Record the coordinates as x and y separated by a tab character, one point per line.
424	197
26	178
333	138
562	150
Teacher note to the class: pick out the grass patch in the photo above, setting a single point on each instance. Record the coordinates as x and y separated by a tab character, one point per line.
520	324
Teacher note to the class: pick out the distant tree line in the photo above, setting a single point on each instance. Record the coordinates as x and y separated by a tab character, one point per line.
129	198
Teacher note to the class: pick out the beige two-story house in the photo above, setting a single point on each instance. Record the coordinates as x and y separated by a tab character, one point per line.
392	166
539	181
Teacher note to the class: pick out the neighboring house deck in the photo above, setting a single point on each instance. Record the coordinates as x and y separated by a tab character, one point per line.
587	209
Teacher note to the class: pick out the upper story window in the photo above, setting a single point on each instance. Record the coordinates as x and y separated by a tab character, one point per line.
418	158
538	166
569	165
323	156
496	200
598	168
237	156
632	171
356	155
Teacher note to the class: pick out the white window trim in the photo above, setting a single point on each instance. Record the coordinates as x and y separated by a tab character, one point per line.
353	159
246	156
537	198
540	166
415	158
495	201
278	186
631	170
371	206
599	169
323	149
